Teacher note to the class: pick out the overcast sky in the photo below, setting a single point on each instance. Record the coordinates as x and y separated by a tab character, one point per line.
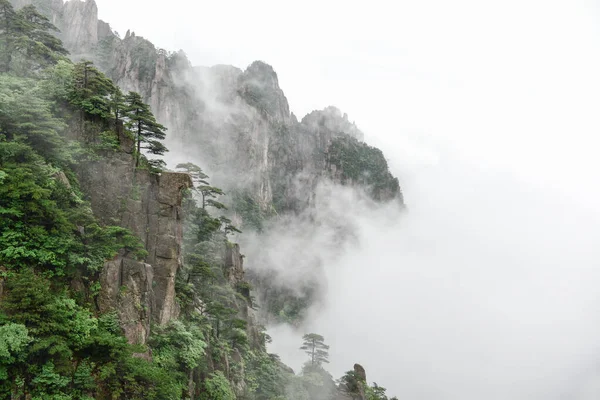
489	111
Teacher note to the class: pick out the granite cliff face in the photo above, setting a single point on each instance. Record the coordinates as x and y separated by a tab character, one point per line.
151	207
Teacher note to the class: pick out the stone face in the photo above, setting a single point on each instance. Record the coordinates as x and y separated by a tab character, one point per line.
234	264
104	30
150	206
127	289
80	26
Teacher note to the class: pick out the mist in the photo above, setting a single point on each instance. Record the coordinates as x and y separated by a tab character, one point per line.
485	287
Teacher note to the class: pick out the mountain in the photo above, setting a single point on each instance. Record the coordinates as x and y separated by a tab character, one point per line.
165	273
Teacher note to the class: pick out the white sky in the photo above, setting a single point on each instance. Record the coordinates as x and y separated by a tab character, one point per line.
509	88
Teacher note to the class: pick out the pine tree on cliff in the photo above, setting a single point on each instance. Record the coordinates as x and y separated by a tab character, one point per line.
209	193
314	345
89	91
144	126
116	102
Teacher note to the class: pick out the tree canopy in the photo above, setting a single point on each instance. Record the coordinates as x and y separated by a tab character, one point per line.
314	345
142	122
27	41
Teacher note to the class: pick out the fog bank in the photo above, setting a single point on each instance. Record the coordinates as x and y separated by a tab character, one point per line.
485	288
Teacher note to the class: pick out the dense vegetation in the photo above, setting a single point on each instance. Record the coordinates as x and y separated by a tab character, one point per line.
55	343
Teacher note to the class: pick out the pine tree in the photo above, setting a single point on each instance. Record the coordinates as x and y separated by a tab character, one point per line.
116	102
90	90
144	126
42	47
26	117
26	36
314	345
209	193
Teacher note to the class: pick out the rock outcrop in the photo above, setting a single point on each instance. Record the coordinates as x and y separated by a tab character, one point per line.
150	206
353	387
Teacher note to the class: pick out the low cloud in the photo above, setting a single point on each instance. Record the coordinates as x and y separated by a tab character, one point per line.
485	288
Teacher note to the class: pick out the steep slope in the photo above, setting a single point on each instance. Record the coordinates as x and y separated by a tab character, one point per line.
150	206
238	126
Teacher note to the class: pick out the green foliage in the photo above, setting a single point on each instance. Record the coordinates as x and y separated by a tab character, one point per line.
27	117
14	339
217	387
41	46
44	224
108	141
377	393
90	90
362	164
56	82
50	346
264	376
27	42
178	347
117	105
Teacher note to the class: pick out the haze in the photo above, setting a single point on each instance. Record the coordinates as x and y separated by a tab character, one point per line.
487	288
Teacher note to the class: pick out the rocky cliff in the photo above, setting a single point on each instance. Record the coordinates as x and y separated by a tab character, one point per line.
150	206
234	123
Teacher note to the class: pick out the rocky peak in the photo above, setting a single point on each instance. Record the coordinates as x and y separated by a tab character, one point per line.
332	120
80	35
353	386
259	86
263	73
